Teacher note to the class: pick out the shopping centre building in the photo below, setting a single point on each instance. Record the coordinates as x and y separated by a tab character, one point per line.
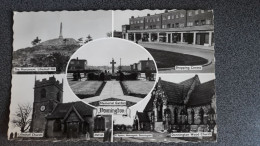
178	26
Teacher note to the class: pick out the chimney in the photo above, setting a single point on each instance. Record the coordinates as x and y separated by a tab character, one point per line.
148	14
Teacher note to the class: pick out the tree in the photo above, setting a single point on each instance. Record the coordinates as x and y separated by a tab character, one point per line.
80	41
109	34
36	41
57	60
89	38
22	117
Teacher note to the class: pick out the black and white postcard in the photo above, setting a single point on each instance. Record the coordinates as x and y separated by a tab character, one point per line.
113	76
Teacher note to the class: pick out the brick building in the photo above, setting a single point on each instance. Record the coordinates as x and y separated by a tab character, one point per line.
177	26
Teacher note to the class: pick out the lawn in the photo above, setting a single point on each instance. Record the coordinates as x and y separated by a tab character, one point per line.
137	88
166	59
85	89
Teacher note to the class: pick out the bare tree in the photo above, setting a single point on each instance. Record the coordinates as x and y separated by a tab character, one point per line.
22	117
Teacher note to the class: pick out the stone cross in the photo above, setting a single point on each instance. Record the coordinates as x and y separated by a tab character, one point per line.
113	65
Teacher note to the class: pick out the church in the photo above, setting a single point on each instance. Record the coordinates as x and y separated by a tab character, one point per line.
56	119
179	107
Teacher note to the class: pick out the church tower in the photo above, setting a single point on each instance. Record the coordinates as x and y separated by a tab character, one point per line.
47	94
61	37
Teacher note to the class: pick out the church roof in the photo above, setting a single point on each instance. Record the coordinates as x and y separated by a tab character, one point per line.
173	91
143	117
187	84
149	106
202	94
62	108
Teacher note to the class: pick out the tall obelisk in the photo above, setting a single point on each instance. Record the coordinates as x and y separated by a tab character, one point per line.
61	37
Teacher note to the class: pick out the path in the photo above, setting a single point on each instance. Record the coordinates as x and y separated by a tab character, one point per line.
196	50
112	89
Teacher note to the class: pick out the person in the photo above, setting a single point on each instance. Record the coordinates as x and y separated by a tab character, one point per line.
87	136
107	135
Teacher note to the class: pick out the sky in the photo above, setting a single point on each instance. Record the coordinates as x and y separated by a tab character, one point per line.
122	17
76	24
100	52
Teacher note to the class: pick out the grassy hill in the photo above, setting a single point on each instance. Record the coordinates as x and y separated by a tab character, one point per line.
44	55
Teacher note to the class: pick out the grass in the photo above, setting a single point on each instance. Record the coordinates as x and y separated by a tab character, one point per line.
138	88
166	59
85	89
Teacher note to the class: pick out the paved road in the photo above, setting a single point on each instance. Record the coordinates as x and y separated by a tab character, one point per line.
112	89
196	50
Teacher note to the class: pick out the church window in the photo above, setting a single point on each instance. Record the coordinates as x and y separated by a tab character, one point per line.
192	116
159	109
201	113
57	126
43	93
176	115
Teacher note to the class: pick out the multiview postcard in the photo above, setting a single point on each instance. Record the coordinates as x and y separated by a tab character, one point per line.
113	76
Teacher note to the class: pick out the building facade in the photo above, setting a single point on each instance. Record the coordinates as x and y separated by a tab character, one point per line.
56	119
177	26
183	107
77	64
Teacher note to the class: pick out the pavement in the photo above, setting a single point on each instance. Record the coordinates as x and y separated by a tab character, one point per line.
112	89
195	50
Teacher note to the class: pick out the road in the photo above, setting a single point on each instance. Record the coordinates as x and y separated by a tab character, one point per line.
196	50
